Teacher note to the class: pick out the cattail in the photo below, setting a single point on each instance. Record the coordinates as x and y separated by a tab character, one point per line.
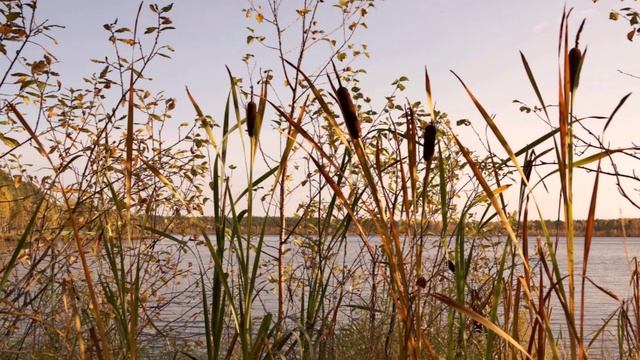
349	112
451	266
575	58
429	142
251	118
527	168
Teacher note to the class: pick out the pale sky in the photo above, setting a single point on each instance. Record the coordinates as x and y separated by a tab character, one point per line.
480	40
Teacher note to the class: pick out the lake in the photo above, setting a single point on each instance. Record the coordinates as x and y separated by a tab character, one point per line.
180	315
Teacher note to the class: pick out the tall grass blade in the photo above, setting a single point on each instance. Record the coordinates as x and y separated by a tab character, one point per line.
482	320
21	243
534	84
588	236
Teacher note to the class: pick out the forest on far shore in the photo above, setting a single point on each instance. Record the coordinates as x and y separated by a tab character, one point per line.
13	218
602	227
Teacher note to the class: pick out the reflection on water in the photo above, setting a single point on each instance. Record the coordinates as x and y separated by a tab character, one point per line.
179	313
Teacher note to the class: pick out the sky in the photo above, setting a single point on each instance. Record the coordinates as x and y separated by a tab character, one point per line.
480	40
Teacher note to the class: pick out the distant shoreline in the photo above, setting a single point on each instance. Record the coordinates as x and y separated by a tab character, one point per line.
11	238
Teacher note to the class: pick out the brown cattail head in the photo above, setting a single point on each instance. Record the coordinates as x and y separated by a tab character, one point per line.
349	112
575	60
451	266
429	142
527	168
251	118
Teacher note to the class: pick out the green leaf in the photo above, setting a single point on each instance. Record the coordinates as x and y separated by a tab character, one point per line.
464	122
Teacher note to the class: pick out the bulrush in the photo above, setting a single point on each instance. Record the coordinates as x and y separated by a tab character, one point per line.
575	58
251	118
451	266
349	112
429	142
347	108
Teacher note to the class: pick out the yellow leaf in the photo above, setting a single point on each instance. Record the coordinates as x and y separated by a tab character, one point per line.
259	17
38	67
10	142
496	191
129	42
17	180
